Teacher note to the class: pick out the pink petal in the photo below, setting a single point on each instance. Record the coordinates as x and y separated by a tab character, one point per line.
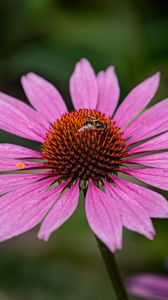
83	86
10	182
33	188
155	204
44	97
152	122
134	216
15	151
14	121
136	100
158	143
61	211
104	217
158	160
23	210
13	164
26	110
155	177
109	91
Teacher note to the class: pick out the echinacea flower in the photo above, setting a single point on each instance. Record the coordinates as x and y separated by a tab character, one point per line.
148	285
85	149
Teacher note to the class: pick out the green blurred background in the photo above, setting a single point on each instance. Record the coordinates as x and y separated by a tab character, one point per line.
48	37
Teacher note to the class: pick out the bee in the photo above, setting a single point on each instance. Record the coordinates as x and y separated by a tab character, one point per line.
93	124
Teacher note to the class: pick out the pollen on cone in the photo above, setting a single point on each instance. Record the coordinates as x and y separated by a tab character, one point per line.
20	165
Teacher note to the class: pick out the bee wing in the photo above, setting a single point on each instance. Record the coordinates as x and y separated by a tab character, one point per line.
82	129
86	127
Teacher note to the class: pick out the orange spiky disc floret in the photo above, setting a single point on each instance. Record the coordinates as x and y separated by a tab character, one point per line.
84	144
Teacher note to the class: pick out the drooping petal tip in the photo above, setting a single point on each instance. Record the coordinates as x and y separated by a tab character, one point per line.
103	217
60	212
133	215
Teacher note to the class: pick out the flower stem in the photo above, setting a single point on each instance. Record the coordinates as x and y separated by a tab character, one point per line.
113	271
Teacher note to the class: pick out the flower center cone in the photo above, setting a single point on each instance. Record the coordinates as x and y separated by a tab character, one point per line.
84	144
